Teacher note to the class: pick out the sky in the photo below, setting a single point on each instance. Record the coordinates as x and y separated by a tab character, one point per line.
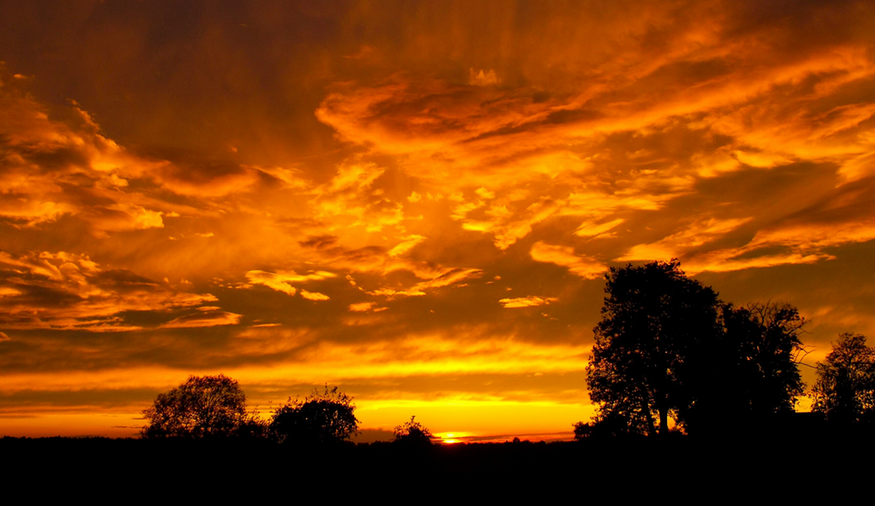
415	201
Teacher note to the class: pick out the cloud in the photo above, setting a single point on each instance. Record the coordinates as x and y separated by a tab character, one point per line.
67	291
676	245
198	177
406	245
530	301
377	260
594	229
52	169
448	277
281	281
58	164
313	295
829	218
585	267
206	317
727	261
351	199
361	307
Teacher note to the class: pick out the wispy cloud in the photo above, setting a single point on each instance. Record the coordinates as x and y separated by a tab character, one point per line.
530	301
67	291
582	266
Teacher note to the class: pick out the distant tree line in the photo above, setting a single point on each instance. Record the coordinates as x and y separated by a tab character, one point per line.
214	407
667	349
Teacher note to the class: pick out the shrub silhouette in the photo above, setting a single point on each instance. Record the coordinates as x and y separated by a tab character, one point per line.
412	433
321	418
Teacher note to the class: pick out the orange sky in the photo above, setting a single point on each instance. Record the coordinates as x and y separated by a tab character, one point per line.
415	201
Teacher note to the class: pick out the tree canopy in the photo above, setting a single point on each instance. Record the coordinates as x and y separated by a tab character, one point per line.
412	433
749	372
845	387
202	407
326	417
765	338
653	317
667	347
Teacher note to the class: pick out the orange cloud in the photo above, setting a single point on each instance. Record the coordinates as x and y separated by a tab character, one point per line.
585	267
206	317
530	301
281	281
69	291
594	229
676	245
361	307
406	245
313	295
54	169
448	277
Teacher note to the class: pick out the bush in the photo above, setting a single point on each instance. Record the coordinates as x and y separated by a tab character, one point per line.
321	418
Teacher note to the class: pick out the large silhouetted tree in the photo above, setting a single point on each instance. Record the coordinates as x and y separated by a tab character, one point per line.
326	417
202	407
845	388
653	319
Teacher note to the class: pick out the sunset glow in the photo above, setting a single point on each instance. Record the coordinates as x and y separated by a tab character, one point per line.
414	201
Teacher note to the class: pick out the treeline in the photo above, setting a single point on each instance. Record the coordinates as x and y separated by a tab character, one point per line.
667	349
214	407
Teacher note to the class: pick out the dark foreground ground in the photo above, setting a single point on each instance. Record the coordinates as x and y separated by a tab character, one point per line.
680	469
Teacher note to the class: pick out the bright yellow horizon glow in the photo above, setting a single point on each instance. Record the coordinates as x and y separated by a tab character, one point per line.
480	419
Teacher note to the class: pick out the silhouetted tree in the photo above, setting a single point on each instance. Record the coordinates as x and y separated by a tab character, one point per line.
202	407
845	388
320	418
412	433
653	318
749	373
606	425
766	339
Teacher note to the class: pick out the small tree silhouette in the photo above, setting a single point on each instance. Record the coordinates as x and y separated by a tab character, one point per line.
320	418
412	433
202	407
845	388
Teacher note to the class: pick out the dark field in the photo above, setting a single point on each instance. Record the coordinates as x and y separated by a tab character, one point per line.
610	470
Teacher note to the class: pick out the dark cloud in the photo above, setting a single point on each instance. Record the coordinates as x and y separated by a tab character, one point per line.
319	242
